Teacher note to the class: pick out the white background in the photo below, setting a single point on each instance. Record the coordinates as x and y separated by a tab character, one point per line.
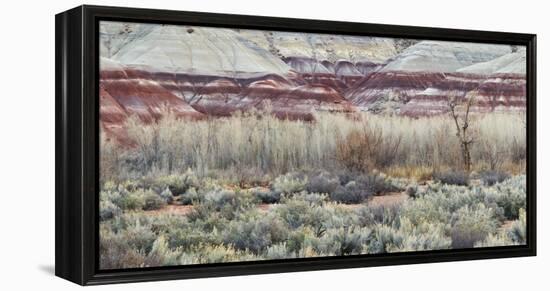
27	147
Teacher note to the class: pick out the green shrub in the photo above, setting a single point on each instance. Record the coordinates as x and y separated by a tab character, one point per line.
471	225
220	254
495	240
190	197
515	235
289	183
323	182
227	202
264	195
378	184
115	253
412	191
166	195
372	215
254	233
177	183
227	225
161	254
297	213
511	196
459	178
518	230
358	188
491	178
152	201
279	251
385	239
311	198
421	237
113	196
132	201
220	198
344	241
191	237
352	193
108	210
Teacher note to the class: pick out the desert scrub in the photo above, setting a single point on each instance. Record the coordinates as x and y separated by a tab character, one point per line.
125	200
518	230
299	212
265	195
255	233
132	201
151	201
421	237
356	188
176	183
108	210
344	241
491	178
226	224
322	182
278	252
459	178
161	254
515	235
167	195
369	215
229	202
289	183
511	196
472	224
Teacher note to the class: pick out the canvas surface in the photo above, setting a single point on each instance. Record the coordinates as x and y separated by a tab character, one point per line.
224	145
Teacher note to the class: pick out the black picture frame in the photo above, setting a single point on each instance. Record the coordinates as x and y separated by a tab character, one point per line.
77	145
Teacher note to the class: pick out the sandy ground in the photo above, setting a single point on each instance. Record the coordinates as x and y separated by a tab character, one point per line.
389	199
506	225
172	209
386	200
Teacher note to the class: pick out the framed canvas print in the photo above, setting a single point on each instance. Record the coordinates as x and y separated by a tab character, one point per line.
197	145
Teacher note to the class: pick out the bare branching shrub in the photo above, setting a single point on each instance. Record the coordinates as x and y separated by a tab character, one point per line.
462	125
492	154
367	148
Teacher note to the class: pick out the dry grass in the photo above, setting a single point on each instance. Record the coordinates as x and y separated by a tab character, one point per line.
258	144
417	173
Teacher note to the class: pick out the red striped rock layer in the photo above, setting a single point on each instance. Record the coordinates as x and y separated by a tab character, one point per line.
149	95
428	93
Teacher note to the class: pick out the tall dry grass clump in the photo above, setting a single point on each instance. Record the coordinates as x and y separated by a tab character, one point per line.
257	143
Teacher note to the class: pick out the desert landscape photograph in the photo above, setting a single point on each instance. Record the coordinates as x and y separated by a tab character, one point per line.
222	145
